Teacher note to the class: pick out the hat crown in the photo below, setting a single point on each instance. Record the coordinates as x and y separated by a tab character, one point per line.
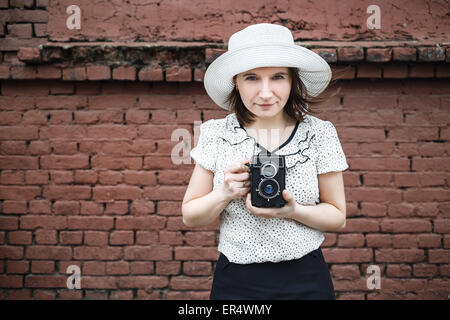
260	34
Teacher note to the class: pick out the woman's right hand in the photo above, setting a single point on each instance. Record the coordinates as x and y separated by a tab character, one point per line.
236	180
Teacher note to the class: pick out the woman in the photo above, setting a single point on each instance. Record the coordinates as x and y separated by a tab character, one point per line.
266	80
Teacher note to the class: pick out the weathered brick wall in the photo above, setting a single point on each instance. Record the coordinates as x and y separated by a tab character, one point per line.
86	176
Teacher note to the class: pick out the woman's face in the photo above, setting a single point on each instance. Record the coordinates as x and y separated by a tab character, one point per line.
266	85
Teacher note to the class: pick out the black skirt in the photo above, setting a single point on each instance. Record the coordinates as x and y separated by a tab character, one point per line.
306	278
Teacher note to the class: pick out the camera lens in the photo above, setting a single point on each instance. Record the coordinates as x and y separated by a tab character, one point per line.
268	170
268	188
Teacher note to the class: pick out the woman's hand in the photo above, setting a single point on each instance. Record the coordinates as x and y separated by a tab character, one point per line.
287	211
236	180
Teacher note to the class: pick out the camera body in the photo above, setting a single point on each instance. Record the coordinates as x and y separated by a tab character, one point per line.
268	179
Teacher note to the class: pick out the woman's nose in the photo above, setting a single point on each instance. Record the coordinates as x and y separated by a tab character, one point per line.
266	89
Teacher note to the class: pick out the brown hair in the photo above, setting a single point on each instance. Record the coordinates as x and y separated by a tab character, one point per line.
299	100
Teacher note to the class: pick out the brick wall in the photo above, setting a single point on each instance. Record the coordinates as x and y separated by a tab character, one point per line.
86	176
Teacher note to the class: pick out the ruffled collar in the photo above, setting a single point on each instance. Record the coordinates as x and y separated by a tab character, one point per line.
295	152
232	131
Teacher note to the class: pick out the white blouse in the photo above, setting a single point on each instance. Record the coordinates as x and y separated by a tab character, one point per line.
312	148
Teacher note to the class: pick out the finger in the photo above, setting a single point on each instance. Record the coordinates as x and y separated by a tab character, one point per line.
239	167
245	162
288	196
240	185
244	176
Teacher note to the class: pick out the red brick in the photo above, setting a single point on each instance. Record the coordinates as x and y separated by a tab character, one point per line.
74	73
441	226
70	237
21	3
196	253
11	281
49	252
18	192
38	266
398	270
425	70
379	54
116	192
404	54
399	255
329	55
121	237
150	73
74	192
212	54
4	72
442	70
438	256
350	54
345	272
346	72
40	30
368	71
396	71
402	225
29	54
90	223
124	73
351	240
425	270
43	221
23	72
179	73
20	237
48	72
43	236
140	223
144	282
199	75
148	237
50	281
96	238
429	54
96	253
117	267
197	268
168	267
95	72
156	253
14	207
20	31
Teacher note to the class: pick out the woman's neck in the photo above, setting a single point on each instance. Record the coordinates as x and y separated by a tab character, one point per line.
279	121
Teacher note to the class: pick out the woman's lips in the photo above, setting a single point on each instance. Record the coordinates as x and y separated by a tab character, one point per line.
265	105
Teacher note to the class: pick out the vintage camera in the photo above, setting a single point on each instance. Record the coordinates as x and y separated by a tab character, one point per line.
268	179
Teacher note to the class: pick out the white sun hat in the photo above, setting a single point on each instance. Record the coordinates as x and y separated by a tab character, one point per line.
264	45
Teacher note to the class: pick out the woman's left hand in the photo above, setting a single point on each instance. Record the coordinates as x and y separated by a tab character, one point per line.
286	211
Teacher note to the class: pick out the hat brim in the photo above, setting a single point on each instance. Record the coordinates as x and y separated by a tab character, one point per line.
314	71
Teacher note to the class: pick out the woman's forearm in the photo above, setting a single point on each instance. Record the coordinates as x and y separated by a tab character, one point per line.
323	216
204	210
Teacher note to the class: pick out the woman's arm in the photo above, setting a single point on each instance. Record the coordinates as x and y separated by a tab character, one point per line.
201	204
329	215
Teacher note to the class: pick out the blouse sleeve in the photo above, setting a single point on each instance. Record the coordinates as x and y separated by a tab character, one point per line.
204	153
330	156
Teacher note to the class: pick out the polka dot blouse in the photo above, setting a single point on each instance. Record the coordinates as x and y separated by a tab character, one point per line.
312	148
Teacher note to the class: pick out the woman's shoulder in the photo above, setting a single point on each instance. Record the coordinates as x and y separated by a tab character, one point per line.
214	125
318	124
